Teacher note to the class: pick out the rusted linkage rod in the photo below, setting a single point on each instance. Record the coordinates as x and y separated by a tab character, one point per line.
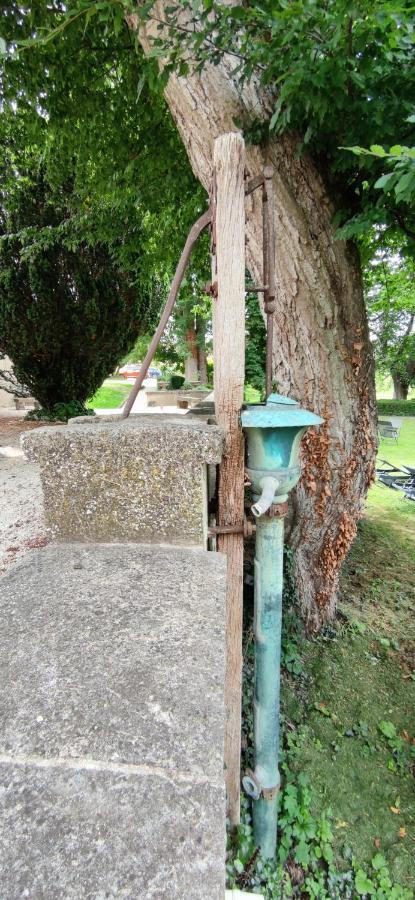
268	268
194	233
264	181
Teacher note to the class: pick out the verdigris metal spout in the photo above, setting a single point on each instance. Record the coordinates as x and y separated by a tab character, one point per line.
268	487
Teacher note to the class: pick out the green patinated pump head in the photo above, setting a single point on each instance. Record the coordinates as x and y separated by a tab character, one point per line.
274	430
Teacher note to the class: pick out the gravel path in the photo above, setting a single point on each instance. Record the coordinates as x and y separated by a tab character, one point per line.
21	502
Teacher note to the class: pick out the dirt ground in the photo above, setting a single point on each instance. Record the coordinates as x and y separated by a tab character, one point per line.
21	504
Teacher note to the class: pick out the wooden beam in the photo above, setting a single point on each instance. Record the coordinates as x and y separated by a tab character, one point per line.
229	371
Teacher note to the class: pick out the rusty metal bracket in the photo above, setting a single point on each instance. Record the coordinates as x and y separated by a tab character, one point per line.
247	529
253	184
256	288
277	510
270	793
254	789
211	287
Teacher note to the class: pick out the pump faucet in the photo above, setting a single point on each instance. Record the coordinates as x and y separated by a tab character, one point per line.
268	486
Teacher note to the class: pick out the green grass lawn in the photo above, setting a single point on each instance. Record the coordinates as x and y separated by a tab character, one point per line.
109	396
359	674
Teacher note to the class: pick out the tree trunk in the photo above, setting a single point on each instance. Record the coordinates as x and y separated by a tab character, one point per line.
191	368
400	389
201	350
321	353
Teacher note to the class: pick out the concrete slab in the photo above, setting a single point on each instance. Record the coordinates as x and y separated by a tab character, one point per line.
111	723
84	833
142	478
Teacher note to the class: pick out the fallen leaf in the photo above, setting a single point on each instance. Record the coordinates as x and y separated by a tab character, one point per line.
395	810
405	736
402	832
377	843
342	824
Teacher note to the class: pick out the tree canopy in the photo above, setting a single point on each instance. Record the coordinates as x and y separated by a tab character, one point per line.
89	114
338	73
87	110
340	77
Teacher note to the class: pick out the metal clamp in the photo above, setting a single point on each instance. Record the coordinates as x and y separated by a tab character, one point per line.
251	785
277	510
254	789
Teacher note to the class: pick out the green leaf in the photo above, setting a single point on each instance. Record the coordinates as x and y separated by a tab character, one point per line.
377	150
3	47
405	186
238	865
302	854
378	861
290	805
387	728
363	884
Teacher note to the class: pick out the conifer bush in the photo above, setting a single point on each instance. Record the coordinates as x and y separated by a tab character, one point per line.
67	313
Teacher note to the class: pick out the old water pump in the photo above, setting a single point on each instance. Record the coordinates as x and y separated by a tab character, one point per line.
273	432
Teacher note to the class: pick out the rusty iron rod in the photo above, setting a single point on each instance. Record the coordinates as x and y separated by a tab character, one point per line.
195	232
269	268
265	275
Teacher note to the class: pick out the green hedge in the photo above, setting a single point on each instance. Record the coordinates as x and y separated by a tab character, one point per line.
396	407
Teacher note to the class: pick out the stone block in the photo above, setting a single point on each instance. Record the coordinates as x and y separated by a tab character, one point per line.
111	724
139	479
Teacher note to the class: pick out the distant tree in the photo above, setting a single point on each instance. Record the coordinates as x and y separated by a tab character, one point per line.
390	301
255	344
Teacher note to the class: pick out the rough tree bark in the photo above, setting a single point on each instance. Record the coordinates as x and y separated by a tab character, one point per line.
322	355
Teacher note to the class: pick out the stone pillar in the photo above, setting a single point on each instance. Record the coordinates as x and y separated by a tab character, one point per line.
139	479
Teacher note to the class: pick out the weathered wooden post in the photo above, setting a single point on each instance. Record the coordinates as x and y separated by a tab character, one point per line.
228	276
